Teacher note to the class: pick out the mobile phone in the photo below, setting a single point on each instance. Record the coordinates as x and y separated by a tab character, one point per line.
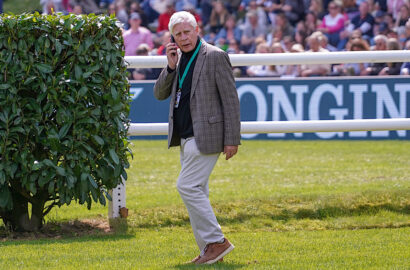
173	41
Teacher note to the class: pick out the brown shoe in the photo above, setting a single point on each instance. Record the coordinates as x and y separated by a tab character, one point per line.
194	260
214	252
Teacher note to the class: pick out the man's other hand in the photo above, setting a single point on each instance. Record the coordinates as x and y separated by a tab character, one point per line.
230	151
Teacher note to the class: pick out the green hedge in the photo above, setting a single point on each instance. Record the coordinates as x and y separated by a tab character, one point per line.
64	104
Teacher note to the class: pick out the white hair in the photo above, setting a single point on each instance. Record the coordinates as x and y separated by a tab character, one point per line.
179	17
382	38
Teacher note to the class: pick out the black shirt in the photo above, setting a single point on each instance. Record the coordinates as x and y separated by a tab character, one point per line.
182	114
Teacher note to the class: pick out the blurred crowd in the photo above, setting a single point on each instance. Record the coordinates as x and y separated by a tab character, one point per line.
264	26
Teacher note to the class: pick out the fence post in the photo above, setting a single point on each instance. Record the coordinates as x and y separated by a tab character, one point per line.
118	202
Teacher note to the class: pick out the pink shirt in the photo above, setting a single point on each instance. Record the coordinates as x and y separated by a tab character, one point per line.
133	40
333	24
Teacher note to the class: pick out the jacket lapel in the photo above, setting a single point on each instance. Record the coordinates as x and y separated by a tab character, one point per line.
198	66
175	84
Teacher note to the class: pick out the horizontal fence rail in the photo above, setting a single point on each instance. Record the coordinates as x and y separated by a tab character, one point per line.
142	129
288	58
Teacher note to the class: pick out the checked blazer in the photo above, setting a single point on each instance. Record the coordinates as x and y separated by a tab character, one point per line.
214	102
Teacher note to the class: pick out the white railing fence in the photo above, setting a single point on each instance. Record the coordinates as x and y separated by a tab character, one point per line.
138	129
288	58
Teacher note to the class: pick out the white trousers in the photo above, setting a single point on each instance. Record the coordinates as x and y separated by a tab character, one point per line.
193	187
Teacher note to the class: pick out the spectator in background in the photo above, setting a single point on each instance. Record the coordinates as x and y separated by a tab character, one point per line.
316	7
262	17
159	6
402	16
389	20
350	7
66	4
406	34
283	23
300	37
364	21
353	69
233	47
324	43
206	9
294	70
380	5
51	6
149	11
191	9
261	70
281	29
163	19
182	4
219	16
381	45
166	38
275	35
333	23
143	73
405	68
105	3
392	68
393	7
357	34
88	6
232	5
229	32
378	21
294	10
400	24
121	12
136	35
252	30
287	43
111	9
280	70
272	8
135	7
311	22
77	9
309	70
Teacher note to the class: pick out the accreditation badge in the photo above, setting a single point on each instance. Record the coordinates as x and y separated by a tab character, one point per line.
177	98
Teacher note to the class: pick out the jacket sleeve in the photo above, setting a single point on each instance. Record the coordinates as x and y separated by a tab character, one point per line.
229	99
163	85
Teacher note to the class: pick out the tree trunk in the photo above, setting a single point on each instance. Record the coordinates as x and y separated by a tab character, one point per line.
18	218
37	215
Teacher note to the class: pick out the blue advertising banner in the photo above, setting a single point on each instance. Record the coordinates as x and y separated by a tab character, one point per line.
301	99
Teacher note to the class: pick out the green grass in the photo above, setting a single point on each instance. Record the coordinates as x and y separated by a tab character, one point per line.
284	204
170	248
20	6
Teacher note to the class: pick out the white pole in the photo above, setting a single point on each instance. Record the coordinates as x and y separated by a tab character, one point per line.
138	129
288	58
118	200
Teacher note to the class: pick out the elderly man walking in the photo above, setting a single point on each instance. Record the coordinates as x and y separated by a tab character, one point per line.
204	120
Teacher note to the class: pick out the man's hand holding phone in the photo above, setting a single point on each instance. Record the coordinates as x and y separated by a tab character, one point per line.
172	54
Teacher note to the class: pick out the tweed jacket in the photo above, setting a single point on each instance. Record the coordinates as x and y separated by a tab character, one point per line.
214	102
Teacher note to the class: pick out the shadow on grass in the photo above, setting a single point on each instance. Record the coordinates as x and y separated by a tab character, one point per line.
69	232
235	213
320	213
219	265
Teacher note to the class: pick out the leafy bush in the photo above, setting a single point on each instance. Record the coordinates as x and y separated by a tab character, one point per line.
64	104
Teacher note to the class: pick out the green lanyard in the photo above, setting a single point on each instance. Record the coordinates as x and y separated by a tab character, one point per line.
181	80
